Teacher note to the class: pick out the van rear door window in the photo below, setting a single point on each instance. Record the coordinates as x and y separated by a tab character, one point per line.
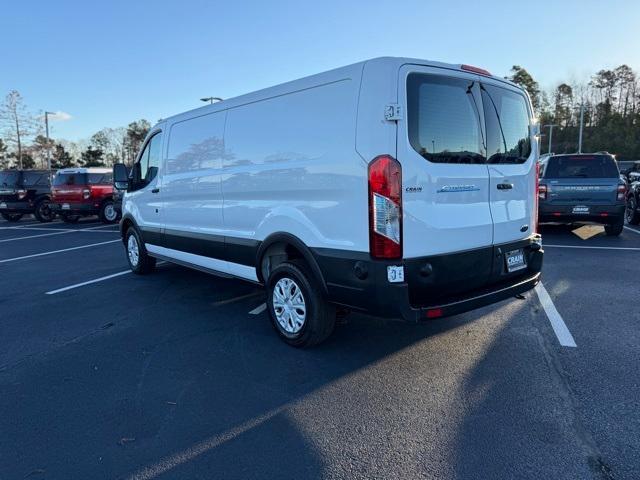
9	179
507	125
70	179
443	119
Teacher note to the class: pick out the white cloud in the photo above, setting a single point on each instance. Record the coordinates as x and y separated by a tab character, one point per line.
60	116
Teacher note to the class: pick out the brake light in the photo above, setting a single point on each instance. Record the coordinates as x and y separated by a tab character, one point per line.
86	193
385	207
622	189
21	194
471	68
542	192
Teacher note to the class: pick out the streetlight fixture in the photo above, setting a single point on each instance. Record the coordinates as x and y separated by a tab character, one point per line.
46	124
211	99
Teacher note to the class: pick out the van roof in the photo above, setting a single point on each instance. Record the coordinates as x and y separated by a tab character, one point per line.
392	63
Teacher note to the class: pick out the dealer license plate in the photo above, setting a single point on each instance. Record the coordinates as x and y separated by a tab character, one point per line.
581	210
515	260
3	205
65	206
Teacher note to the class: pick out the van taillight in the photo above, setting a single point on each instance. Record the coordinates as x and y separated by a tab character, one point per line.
385	207
86	193
622	189
21	194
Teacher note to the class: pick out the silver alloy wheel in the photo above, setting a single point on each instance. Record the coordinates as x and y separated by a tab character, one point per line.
289	305
132	250
110	212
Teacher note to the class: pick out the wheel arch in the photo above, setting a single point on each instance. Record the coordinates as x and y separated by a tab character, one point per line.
283	244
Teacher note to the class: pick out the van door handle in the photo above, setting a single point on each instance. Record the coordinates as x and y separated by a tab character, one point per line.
155	190
505	186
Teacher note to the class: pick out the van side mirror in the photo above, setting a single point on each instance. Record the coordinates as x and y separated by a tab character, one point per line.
120	176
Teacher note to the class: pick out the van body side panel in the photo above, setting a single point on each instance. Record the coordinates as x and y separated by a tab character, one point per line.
291	166
191	189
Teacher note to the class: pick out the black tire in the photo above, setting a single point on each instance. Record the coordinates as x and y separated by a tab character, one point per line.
145	264
631	213
614	229
108	213
12	217
66	218
319	315
42	212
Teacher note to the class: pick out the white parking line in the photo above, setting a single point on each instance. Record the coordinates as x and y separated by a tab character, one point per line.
235	299
43	229
258	310
57	251
592	247
559	327
88	282
20	226
632	230
13	239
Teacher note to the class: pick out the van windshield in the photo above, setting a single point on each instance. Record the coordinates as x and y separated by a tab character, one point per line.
9	178
581	166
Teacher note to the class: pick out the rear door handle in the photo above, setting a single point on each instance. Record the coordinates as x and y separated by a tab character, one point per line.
155	190
505	186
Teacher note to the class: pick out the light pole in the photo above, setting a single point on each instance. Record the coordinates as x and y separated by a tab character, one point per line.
581	125
211	99
550	134
46	125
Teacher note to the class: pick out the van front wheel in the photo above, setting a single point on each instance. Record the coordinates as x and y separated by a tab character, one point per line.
139	261
298	310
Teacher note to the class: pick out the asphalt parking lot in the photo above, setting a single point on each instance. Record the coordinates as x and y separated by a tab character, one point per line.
179	375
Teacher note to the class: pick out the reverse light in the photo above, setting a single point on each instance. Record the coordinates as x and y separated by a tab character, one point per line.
86	193
385	207
622	189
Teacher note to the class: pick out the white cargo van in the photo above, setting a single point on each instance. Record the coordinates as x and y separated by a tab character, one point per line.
400	187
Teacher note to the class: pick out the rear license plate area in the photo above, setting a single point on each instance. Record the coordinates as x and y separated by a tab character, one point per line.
580	210
3	205
515	260
65	206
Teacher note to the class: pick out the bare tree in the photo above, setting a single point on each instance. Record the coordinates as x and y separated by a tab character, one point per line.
17	122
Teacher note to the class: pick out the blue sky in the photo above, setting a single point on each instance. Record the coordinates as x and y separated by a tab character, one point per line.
109	63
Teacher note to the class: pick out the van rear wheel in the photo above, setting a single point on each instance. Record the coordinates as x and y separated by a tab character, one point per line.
139	261
43	212
298	310
108	213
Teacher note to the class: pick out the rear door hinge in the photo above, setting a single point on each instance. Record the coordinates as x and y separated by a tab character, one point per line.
393	112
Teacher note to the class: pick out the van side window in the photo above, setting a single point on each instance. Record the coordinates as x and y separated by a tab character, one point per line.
155	156
443	119
507	125
150	158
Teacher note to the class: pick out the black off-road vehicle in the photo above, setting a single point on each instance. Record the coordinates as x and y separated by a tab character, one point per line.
24	192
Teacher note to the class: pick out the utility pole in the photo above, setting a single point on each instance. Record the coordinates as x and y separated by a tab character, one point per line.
550	134
581	125
46	125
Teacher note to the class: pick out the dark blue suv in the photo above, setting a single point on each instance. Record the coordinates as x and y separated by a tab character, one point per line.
582	188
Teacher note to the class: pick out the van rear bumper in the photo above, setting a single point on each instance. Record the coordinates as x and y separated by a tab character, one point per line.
82	209
434	286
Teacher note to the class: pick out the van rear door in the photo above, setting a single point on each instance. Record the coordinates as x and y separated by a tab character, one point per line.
444	175
511	161
445	180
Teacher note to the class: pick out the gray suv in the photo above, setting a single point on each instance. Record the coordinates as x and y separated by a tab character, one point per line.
582	188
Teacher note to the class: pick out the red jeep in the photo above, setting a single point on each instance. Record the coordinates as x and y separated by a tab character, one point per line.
80	192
